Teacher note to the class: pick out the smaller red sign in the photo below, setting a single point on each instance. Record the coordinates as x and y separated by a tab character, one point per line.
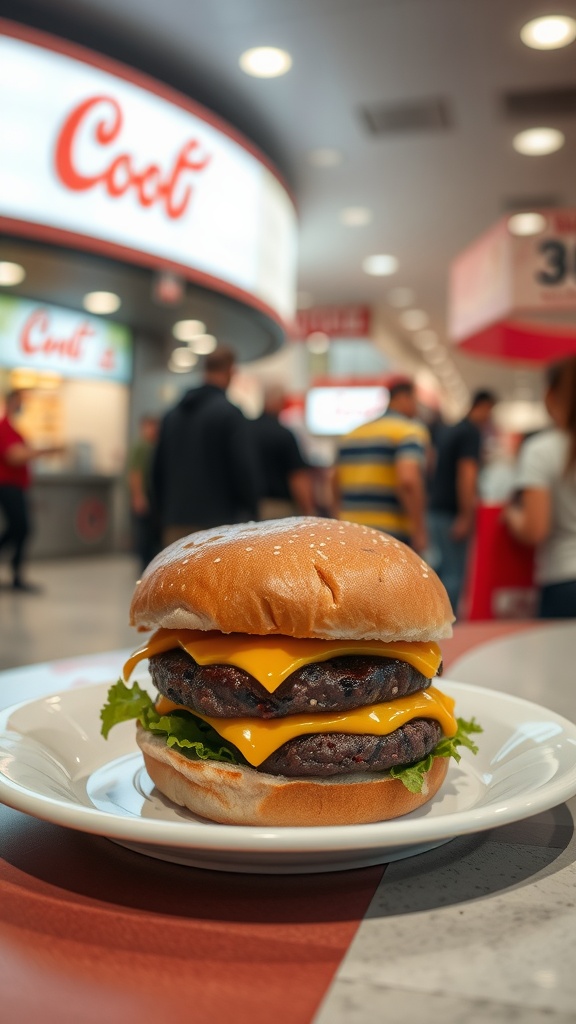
335	321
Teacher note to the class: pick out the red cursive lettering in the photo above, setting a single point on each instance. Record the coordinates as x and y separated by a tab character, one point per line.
172	190
36	337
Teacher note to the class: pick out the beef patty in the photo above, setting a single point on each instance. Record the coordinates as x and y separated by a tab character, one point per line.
338	684
325	754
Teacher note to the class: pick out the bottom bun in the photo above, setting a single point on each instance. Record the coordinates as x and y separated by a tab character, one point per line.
238	795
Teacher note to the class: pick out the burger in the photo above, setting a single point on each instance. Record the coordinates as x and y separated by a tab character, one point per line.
295	662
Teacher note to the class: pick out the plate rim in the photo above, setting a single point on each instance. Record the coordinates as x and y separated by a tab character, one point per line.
404	831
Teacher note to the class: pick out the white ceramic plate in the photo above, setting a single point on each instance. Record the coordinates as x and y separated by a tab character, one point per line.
55	765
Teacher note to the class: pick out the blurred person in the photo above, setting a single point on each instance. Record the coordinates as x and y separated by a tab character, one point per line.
286	476
146	534
15	458
543	513
380	467
204	471
454	492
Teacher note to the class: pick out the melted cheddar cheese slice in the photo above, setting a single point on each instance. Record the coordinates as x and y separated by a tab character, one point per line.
257	738
271	659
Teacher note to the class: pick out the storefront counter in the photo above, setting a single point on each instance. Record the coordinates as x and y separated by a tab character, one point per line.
72	514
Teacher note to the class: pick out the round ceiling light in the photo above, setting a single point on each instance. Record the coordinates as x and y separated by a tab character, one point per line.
526	223
265	62
203	344
325	156
380	265
317	343
11	274
538	141
549	32
355	216
413	319
101	302
182	360
186	330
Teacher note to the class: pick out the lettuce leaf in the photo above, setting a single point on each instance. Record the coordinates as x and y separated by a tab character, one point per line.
196	738
412	775
180	728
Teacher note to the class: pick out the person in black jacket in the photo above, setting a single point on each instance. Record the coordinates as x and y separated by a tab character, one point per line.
286	476
205	470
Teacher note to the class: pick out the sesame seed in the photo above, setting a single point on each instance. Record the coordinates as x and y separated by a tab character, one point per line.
312	545
217	559
275	552
248	549
343	542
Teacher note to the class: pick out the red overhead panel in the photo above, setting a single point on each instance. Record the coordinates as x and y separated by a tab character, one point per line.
514	297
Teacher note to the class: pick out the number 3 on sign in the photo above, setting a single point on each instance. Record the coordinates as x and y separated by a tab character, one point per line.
559	260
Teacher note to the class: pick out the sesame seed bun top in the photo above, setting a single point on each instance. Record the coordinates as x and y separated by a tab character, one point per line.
300	577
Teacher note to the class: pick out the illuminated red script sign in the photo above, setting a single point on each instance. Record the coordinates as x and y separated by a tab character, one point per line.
102	117
97	156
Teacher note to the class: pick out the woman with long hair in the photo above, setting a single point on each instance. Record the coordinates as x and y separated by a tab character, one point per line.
544	511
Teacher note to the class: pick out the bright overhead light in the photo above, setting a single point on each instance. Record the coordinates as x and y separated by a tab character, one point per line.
355	216
265	62
324	156
538	141
413	319
549	32
400	297
203	344
426	339
101	302
183	358
317	343
526	223
380	265
11	273
185	330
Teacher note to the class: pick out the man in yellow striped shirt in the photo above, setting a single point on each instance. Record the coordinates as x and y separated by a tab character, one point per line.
379	471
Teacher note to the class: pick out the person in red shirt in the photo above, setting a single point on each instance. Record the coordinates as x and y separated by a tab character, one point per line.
15	458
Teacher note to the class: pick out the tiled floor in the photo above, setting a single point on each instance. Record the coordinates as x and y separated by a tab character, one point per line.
83	609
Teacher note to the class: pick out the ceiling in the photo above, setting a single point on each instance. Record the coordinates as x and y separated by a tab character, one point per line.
431	191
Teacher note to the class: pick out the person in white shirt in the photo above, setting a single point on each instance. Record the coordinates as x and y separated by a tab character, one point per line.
544	512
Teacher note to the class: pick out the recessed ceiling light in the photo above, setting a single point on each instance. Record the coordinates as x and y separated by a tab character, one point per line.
182	360
380	265
426	339
317	343
549	32
185	330
325	157
526	224
538	141
203	344
101	302
265	62
400	297
413	319
11	274
355	216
